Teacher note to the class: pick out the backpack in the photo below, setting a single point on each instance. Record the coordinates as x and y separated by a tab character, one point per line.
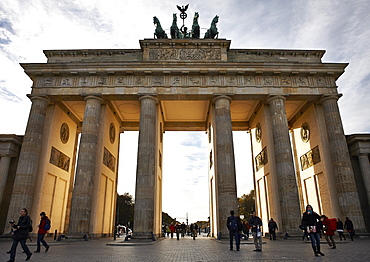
234	224
332	224
47	224
30	228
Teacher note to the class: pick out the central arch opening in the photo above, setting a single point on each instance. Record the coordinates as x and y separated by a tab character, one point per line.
185	166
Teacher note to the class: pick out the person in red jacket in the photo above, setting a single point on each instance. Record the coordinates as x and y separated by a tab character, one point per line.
41	233
329	229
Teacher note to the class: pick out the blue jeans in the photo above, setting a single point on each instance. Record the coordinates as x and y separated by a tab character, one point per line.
315	239
40	239
237	239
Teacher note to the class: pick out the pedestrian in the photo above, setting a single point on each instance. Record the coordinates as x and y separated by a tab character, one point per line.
234	225
256	223
329	228
272	228
195	231
340	229
348	225
44	226
172	229
310	223
183	229
21	234
245	229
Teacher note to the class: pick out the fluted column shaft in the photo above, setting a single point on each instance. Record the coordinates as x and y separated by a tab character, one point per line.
285	174
342	167
146	168
365	172
4	170
28	164
85	171
225	162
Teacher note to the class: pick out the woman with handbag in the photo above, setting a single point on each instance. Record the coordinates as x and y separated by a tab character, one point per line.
310	222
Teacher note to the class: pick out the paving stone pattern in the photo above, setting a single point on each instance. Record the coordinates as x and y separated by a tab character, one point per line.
187	249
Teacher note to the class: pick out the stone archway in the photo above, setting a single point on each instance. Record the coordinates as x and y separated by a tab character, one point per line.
286	99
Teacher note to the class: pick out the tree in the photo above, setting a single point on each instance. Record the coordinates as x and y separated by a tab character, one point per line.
246	204
166	219
125	209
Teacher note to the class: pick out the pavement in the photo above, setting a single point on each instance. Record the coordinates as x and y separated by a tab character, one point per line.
187	249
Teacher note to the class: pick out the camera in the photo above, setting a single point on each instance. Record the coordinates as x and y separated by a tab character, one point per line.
11	221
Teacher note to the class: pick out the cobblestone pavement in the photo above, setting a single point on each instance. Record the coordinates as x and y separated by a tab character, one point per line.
187	249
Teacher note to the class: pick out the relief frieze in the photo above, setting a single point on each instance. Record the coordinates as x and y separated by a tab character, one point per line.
131	80
59	159
261	159
249	81
311	158
84	81
109	160
302	81
184	54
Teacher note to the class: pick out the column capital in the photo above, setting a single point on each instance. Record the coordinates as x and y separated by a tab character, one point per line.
93	97
363	155
330	96
149	97
42	98
273	97
228	97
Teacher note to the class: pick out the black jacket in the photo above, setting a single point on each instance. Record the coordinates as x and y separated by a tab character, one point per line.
24	223
230	218
312	219
254	221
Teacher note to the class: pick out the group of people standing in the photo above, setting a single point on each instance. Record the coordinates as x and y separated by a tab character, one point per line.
21	232
181	229
312	225
235	226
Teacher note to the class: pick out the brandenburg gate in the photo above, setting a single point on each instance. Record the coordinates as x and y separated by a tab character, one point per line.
83	99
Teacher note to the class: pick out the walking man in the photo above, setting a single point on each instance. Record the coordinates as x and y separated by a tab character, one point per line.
256	223
234	225
23	227
272	228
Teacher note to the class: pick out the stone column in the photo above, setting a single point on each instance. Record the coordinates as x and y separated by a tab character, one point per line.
79	223
28	164
224	162
341	163
284	172
146	169
365	172
4	170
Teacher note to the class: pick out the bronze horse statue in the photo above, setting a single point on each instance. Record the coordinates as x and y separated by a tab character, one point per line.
212	32
159	33
175	31
195	30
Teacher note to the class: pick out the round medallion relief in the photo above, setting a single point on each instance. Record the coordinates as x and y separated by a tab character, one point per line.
305	132
64	133
258	133
112	133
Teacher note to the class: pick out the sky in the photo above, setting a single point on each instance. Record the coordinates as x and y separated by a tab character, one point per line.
341	27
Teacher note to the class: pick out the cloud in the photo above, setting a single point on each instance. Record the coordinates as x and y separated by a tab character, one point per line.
8	95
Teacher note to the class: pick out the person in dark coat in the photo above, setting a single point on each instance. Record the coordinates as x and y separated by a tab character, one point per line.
41	233
21	234
348	225
234	225
340	229
256	223
311	224
272	229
